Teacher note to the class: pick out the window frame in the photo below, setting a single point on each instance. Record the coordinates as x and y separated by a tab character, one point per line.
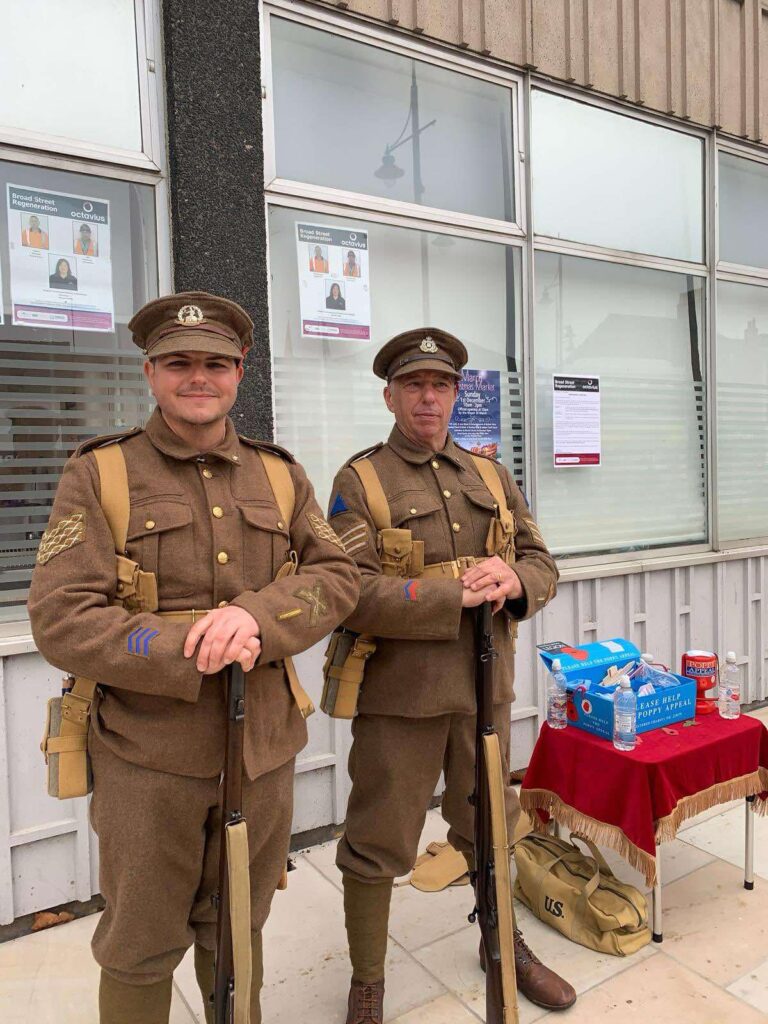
151	155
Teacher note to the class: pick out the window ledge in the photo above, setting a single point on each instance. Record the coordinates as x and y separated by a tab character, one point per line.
678	561
22	643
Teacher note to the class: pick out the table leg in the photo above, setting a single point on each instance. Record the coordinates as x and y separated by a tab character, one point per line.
557	830
749	844
658	935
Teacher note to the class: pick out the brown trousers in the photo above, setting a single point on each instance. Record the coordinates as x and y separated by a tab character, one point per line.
159	860
395	765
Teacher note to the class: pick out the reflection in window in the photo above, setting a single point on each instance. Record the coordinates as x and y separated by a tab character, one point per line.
641	332
743	203
610	180
358	118
469	288
60	387
71	70
742	411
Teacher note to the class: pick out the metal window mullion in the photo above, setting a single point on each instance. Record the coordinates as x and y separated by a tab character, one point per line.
712	406
584	250
530	453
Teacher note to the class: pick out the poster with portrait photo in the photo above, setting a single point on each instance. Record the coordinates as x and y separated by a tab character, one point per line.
334	282
61	268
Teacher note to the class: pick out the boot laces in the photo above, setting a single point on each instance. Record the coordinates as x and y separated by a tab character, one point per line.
370	1003
523	951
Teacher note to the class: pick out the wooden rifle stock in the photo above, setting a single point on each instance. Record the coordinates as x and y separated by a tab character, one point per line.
491	875
232	986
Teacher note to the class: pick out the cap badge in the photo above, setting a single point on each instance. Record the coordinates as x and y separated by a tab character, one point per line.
428	345
190	316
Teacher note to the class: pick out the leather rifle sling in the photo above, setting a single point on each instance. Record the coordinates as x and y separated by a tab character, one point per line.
281	482
76	703
240	918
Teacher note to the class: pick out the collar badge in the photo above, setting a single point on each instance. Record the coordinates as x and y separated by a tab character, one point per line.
428	345
190	316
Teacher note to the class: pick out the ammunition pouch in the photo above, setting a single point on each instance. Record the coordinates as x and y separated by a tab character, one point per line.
65	740
399	553
343	671
136	589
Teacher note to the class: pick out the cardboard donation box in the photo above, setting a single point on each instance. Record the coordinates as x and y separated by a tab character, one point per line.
590	705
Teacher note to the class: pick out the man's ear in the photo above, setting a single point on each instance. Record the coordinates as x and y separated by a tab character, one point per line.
388	398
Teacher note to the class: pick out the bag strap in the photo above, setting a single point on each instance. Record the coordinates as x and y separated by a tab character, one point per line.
375	498
491	479
600	861
281	482
115	501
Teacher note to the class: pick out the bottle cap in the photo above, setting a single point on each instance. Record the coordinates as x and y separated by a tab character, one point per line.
647	658
624	683
556	666
731	657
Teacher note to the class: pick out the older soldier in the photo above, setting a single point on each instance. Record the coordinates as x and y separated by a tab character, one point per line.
205	520
447	548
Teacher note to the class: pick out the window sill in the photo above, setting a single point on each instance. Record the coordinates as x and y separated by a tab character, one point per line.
22	643
650	564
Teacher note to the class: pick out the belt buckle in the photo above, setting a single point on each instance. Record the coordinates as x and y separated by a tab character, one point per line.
73	713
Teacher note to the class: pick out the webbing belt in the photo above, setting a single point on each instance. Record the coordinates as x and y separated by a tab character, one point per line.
449	570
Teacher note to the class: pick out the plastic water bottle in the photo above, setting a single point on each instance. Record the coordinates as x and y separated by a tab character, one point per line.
625	716
557	697
729	691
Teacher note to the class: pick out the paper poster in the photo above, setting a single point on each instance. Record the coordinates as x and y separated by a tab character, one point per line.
576	420
334	282
61	268
476	420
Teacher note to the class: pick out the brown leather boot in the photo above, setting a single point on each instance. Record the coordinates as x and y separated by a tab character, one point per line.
538	983
366	1003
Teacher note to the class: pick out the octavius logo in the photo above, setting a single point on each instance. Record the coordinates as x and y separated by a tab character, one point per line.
554	907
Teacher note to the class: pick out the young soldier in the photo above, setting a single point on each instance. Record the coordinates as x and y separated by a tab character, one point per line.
205	519
450	548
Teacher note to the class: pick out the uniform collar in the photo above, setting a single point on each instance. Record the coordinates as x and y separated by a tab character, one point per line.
163	438
412	452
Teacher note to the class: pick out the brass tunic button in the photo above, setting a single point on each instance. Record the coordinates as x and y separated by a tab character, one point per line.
207	473
280	525
222	558
223	604
217	511
435	464
412	511
456	527
446	494
150	524
235	458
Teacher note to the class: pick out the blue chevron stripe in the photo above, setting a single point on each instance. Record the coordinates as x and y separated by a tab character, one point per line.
148	640
136	637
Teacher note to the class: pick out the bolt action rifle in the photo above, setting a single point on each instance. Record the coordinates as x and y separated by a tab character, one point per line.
232	985
491	874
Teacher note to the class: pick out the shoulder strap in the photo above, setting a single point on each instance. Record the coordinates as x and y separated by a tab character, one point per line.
281	482
114	491
377	502
491	479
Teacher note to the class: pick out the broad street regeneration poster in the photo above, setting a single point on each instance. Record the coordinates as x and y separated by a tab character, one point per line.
576	420
61	268
476	420
334	282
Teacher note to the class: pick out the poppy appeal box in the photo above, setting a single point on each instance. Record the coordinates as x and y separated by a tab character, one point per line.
590	706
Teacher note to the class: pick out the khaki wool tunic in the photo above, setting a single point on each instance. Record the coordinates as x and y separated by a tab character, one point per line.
209	526
424	663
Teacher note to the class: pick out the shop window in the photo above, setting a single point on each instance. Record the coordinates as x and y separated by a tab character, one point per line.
614	181
743	204
742	411
71	71
328	404
358	118
77	258
641	333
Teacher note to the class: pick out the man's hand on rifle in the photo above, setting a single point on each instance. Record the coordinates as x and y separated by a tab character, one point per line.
492	580
228	634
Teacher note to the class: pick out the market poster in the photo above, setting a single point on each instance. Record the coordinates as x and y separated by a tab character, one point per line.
576	420
476	420
334	282
61	266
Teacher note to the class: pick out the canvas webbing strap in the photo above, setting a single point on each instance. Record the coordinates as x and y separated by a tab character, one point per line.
492	481
375	498
73	738
501	853
115	500
281	482
240	917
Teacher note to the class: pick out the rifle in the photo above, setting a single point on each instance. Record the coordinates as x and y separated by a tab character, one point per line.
232	984
491	874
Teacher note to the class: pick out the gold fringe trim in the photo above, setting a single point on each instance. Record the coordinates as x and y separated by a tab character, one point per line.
720	793
600	832
604	834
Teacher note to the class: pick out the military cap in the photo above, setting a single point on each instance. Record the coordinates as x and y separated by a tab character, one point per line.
426	348
192	322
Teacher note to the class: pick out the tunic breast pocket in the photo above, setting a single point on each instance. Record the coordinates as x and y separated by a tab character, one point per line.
266	544
161	539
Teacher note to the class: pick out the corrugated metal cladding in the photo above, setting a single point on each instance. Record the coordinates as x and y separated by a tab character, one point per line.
702	60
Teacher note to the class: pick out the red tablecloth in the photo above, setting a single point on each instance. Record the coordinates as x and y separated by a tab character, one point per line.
632	800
